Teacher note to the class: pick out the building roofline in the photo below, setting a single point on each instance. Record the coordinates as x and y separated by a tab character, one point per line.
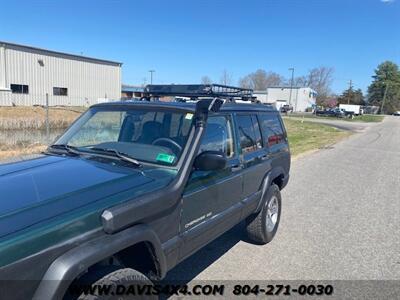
282	87
61	53
131	88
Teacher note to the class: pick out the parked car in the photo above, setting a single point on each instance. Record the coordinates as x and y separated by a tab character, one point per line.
396	113
133	188
286	108
331	112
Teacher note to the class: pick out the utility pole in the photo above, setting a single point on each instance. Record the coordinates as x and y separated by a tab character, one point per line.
384	97
151	76
291	86
350	89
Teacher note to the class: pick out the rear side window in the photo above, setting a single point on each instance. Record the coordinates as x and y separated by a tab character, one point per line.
271	126
249	133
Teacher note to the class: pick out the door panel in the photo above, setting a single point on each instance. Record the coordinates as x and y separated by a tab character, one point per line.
210	194
254	156
256	165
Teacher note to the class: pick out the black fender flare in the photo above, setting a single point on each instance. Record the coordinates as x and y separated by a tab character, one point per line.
276	172
71	264
264	188
266	183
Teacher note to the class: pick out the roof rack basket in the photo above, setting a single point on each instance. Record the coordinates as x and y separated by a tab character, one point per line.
195	91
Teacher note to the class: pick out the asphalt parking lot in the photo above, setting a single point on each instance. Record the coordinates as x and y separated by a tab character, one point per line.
340	219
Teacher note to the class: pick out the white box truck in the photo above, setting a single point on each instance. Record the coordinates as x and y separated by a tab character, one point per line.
355	109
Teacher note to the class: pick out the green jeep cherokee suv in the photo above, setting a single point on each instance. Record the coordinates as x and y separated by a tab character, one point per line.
133	188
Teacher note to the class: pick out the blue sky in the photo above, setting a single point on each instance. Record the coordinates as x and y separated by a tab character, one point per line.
184	40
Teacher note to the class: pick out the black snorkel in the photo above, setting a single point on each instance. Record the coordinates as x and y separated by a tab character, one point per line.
158	202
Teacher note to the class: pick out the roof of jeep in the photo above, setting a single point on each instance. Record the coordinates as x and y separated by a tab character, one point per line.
188	106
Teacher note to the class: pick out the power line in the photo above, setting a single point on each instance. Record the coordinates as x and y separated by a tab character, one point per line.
350	89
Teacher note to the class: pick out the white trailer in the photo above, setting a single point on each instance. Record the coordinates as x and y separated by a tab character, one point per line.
355	109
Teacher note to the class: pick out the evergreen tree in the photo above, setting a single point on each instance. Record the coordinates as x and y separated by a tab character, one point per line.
385	81
351	96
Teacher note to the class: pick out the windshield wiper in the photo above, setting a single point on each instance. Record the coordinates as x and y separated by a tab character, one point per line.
116	153
69	149
75	151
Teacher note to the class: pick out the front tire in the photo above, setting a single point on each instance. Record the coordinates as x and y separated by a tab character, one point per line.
119	280
262	227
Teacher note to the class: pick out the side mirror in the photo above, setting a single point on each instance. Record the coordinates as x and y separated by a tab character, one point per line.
210	161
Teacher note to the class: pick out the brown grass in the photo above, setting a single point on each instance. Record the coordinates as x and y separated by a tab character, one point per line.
15	118
33	118
17	151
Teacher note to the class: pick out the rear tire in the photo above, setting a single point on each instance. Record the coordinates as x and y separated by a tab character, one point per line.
116	279
261	227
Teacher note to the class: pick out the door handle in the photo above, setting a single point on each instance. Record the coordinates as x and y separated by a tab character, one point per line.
236	168
265	156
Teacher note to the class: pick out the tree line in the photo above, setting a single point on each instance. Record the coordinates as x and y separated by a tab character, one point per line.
384	90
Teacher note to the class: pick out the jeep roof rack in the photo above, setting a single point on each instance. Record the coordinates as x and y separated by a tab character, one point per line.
196	91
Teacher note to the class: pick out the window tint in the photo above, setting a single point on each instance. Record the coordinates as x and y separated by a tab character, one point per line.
59	91
257	132
19	88
272	129
247	135
218	136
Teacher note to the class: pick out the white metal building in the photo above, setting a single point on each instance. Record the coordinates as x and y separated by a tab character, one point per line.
27	74
300	98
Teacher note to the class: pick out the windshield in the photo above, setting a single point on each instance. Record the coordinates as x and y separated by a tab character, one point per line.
146	135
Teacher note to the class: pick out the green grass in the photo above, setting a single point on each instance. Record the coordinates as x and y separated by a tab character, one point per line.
367	118
307	136
363	118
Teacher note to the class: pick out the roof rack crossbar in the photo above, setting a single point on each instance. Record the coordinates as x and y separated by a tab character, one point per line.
194	91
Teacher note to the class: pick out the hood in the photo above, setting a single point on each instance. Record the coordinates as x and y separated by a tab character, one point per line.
39	189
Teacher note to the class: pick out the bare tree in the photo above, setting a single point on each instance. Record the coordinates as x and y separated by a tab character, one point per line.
261	80
300	81
246	82
206	80
226	78
320	79
273	79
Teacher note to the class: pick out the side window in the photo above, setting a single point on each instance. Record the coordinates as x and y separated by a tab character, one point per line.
250	140
218	136
272	129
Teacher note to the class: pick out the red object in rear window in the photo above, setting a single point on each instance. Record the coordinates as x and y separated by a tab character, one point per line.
273	139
